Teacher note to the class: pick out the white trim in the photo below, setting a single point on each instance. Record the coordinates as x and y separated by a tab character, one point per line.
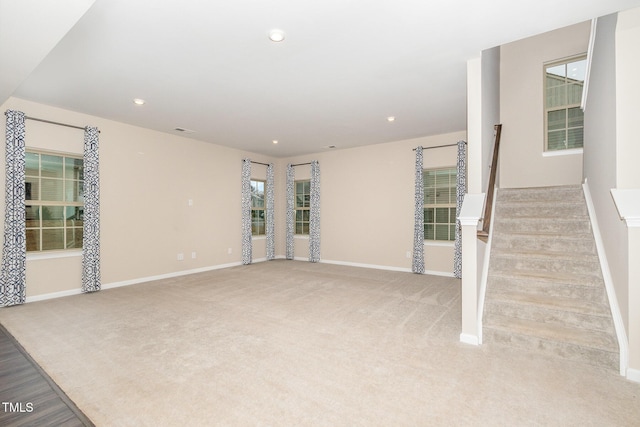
623	343
485	267
168	275
567	152
440	243
627	203
53	295
469	339
301	236
633	375
439	273
34	256
592	42
259	237
357	264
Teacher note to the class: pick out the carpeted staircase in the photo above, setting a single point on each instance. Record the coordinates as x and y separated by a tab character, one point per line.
545	289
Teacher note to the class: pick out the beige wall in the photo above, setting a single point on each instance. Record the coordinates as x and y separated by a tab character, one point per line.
367	199
148	177
522	163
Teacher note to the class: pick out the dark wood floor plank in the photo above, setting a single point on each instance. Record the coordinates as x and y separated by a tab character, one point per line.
23	382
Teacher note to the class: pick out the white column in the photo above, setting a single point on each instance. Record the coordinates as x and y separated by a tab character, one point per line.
470	215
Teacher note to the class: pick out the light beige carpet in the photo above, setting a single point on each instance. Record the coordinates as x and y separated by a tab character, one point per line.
288	343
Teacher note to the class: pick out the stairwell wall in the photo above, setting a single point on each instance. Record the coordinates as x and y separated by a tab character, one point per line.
523	162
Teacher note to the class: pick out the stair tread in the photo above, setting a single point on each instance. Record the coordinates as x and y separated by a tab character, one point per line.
553	332
544	254
550	302
551	276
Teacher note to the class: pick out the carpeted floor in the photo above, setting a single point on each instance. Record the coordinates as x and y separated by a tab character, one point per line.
295	343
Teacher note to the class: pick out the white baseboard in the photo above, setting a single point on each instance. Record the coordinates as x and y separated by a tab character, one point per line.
469	339
633	375
168	275
374	266
53	295
618	323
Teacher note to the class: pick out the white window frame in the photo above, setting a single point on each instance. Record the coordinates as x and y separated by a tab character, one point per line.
450	205
566	106
64	204
306	205
263	208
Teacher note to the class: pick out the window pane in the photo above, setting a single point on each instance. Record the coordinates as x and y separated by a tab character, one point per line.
73	216
452	215
574	93
73	168
577	70
575	117
305	228
51	166
557	119
442	232
305	215
452	232
429	215
52	216
52	239
51	190
74	237
557	73
307	186
428	232
298	215
442	215
31	188
556	96
429	196
33	240
575	138
556	140
299	187
72	191
429	178
32	164
32	216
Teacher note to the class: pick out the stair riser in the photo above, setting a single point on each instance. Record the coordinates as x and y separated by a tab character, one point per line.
565	350
543	210
568	194
530	225
584	266
588	292
545	315
544	243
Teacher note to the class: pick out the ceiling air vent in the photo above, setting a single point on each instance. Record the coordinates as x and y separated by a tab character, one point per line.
183	130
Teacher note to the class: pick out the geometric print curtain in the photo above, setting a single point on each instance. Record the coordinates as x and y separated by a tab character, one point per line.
418	227
246	212
461	189
314	213
91	218
269	226
13	274
289	251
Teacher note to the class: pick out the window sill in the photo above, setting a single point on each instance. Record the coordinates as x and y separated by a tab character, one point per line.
259	237
441	243
568	152
301	236
53	254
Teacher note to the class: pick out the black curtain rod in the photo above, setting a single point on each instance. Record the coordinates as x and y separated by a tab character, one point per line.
260	163
440	146
53	123
301	164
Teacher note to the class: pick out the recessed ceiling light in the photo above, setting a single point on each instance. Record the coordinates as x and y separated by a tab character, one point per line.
276	35
275	141
391	119
139	101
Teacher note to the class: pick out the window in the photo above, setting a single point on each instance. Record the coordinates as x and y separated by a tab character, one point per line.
439	204
564	119
53	201
303	201
257	208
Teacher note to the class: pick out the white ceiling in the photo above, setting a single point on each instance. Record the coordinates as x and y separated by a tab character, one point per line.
208	66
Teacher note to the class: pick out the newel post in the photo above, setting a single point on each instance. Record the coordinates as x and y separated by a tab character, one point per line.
470	216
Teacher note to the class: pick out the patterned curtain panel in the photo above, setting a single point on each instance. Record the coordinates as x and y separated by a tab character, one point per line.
14	251
246	212
461	189
91	221
314	213
418	228
290	211
270	231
